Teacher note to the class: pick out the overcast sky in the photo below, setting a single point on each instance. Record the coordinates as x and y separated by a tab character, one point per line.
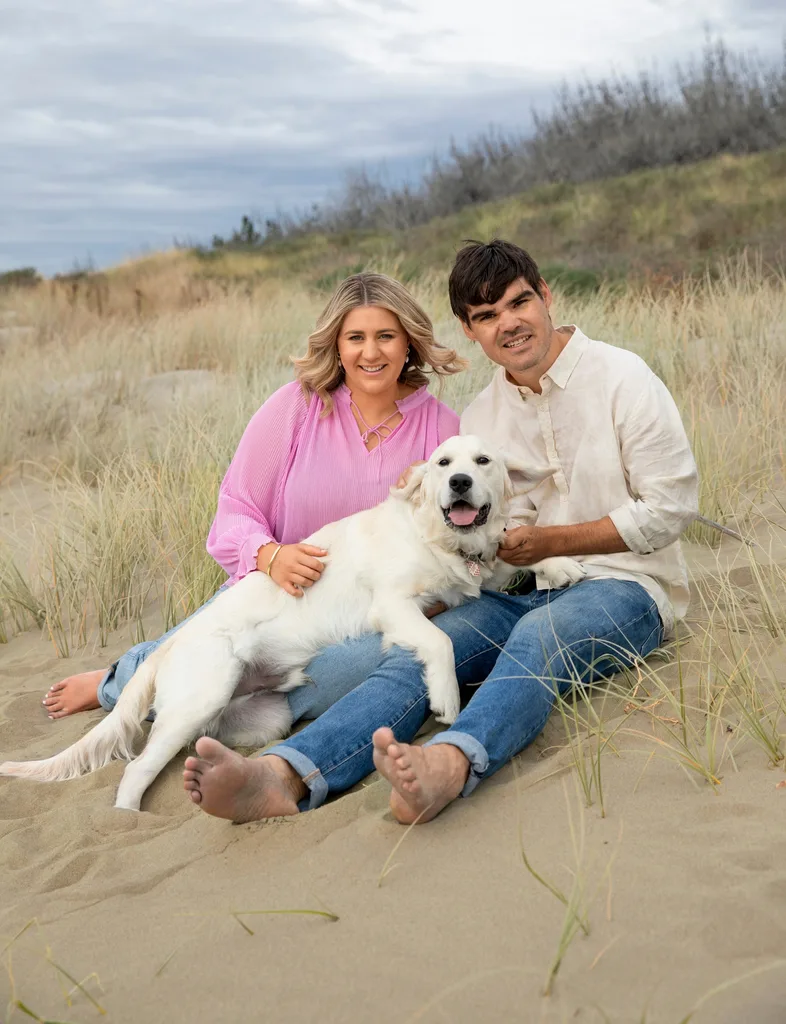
127	123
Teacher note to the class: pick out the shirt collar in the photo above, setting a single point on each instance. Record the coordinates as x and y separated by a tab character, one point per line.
568	359
560	371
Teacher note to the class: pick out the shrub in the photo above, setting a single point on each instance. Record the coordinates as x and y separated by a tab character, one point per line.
720	103
22	277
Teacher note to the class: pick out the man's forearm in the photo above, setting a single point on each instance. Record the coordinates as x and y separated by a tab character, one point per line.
599	537
526	545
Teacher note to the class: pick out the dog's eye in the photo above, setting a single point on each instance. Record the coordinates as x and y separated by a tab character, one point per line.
483	460
444	462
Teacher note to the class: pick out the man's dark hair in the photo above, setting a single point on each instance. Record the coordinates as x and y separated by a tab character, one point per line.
483	271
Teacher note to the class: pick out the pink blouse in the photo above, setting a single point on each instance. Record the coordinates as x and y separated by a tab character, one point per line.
293	471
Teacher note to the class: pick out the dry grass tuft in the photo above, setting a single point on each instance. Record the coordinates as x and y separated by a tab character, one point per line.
130	420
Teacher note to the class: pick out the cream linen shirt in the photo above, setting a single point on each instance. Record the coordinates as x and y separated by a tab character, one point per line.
605	439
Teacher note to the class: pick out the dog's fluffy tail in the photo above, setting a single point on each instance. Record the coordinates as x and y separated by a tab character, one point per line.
112	738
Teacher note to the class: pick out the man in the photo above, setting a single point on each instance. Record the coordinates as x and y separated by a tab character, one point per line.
619	486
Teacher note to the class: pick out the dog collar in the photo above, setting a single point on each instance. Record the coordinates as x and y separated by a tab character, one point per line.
472	562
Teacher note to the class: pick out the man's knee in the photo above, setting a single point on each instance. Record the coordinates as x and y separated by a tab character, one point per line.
484	618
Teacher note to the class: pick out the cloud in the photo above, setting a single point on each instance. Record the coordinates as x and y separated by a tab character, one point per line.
128	124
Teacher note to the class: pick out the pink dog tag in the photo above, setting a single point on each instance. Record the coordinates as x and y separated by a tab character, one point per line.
474	567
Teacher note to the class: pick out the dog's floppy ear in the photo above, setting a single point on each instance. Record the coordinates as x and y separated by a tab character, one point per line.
412	488
519	477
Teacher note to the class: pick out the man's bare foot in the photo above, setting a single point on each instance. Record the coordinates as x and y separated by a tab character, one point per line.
424	779
74	694
227	785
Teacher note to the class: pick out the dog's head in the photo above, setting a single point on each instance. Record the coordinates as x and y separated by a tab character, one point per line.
465	487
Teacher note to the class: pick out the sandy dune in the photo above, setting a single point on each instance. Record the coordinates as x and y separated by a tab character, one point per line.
689	888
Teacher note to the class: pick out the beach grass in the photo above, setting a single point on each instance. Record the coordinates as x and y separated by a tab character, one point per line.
129	425
31	939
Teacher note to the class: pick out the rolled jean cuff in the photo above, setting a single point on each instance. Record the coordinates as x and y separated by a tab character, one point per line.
308	772
474	752
103	699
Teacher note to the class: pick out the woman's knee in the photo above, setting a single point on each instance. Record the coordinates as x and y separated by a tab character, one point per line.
333	673
127	664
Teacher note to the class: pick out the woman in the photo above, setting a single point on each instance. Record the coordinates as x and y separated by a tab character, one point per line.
327	445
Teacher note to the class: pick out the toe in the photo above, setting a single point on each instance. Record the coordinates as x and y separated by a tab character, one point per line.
196	796
56	687
211	750
191	786
382	739
195	764
58	714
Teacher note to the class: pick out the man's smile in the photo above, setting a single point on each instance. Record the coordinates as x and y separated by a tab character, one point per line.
514	344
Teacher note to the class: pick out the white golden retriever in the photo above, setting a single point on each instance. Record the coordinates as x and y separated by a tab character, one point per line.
433	540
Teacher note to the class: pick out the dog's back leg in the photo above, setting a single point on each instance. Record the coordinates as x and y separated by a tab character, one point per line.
253	720
180	719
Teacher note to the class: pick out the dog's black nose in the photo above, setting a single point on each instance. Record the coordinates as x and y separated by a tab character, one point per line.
460	483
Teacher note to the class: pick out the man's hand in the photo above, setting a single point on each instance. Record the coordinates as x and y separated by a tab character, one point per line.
525	545
295	567
403	480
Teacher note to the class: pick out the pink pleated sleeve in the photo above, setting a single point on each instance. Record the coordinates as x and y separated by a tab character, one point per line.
249	491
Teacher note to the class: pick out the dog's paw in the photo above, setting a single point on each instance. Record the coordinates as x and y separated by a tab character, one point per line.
445	704
560	572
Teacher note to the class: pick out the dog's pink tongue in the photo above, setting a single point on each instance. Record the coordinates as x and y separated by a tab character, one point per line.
463	516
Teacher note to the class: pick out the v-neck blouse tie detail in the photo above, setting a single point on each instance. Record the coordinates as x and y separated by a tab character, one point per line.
369	432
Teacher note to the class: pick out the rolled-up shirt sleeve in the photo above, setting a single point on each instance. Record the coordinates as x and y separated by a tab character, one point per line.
249	491
660	471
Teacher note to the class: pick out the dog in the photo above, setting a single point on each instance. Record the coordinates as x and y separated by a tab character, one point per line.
434	540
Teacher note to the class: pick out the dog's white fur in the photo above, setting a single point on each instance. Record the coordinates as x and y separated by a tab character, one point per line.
385	566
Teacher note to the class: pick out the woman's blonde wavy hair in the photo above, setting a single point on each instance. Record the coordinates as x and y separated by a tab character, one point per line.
319	370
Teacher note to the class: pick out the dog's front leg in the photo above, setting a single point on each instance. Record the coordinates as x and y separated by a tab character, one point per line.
402	622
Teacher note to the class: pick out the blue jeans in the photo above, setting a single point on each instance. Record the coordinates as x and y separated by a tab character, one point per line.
523	649
333	673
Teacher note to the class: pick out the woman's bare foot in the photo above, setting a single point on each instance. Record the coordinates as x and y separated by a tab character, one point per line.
424	779
74	694
227	785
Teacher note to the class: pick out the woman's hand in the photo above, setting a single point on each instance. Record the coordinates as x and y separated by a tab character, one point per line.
295	567
403	480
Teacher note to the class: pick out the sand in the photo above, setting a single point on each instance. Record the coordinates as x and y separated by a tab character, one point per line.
688	881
